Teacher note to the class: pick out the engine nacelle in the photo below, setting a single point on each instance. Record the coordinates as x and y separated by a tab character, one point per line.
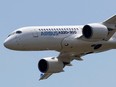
95	32
50	65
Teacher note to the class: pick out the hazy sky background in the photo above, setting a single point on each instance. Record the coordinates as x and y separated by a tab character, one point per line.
19	69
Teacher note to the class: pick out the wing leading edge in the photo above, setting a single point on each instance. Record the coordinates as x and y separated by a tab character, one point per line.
111	20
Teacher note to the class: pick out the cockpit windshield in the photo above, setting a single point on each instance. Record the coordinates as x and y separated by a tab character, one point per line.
11	34
16	32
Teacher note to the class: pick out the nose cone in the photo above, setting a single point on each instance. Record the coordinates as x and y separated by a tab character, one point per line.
10	43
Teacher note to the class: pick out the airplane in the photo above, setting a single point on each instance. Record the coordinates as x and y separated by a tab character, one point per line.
72	43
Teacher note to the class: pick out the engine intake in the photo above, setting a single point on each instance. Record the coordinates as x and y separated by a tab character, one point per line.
95	31
50	65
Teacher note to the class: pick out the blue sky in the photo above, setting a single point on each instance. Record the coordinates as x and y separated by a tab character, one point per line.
19	69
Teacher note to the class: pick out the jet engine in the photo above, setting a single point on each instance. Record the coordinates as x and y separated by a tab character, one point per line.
95	32
50	65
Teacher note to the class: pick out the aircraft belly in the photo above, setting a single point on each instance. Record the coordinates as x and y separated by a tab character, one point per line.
76	45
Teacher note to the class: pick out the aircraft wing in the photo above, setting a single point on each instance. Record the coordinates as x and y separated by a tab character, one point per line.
66	58
111	20
45	76
69	56
111	25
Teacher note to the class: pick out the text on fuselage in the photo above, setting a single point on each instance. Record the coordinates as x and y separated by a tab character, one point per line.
56	33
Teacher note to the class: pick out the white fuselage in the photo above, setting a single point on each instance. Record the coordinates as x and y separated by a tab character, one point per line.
59	38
